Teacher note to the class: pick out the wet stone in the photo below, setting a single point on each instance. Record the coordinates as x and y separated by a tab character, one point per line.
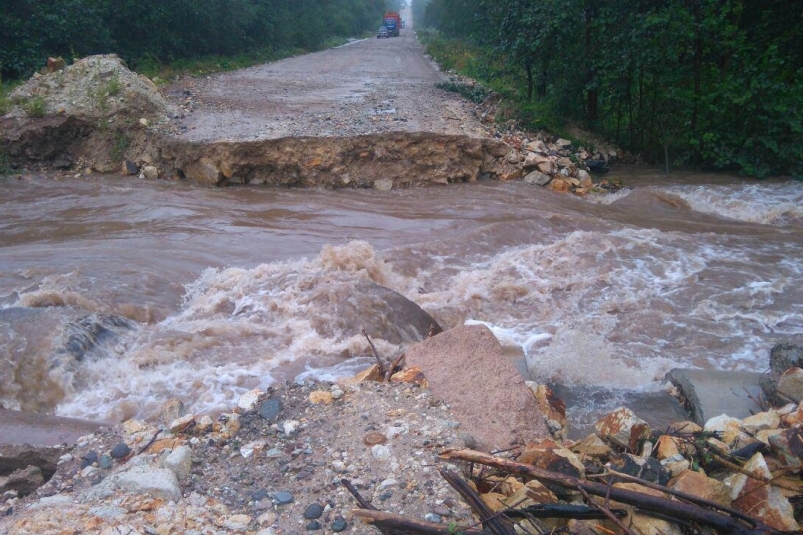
282	497
260	494
105	462
120	450
89	459
313	526
270	409
314	510
339	525
385	496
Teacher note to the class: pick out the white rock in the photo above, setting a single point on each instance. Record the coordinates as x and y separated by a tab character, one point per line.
290	426
153	482
179	461
248	400
380	452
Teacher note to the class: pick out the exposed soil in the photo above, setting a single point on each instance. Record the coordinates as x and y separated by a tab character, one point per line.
383	438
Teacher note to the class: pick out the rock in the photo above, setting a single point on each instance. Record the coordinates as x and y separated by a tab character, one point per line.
55	64
105	462
646	468
782	357
151	172
179	461
560	185
338	525
314	526
585	179
764	502
313	510
537	146
730	429
563	143
270	409
290	427
547	454
237	522
642	524
149	481
282	497
120	450
248	401
321	396
410	374
172	410
15	457
383	184
761	421
380	452
787	446
622	428
702	486
130	168
466	368
181	424
203	171
537	178
553	409
790	385
24	481
592	447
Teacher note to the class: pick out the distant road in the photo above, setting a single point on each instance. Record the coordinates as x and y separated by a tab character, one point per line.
366	87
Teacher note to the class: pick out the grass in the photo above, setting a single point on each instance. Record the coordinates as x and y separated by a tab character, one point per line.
162	73
492	73
34	107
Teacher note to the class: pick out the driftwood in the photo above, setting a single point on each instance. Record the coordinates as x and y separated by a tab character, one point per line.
646	503
402	525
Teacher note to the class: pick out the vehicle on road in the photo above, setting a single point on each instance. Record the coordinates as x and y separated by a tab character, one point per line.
382	32
393	23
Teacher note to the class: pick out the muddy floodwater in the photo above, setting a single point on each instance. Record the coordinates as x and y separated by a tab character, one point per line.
117	294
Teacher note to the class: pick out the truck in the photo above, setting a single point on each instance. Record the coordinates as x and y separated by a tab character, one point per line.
393	23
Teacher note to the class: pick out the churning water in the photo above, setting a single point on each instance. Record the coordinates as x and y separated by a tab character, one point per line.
118	294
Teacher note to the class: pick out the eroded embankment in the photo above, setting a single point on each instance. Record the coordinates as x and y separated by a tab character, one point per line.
382	161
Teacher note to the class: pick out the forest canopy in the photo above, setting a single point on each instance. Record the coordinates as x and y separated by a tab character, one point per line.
711	82
161	31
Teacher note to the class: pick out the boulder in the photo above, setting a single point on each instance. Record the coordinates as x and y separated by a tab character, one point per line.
782	357
622	428
466	368
537	178
790	385
753	497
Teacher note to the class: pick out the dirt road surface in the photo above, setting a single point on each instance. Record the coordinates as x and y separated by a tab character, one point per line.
366	87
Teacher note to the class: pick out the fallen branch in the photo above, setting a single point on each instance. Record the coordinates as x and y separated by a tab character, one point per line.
376	355
388	521
645	502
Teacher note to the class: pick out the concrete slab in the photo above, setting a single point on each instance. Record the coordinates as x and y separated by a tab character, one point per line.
711	393
42	429
587	404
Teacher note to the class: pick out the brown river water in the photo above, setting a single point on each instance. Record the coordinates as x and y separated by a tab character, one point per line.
117	294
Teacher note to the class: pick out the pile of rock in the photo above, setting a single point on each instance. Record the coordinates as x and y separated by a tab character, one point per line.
556	164
705	462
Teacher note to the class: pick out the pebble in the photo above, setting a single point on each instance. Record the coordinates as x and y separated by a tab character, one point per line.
313	526
380	452
282	497
432	517
89	459
120	450
259	494
339	525
314	510
105	462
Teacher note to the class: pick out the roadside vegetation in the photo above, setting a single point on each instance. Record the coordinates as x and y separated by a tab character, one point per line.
711	84
166	37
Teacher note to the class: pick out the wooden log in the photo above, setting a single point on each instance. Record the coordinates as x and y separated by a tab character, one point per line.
388	521
645	502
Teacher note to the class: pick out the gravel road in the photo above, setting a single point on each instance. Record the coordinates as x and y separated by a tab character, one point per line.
369	86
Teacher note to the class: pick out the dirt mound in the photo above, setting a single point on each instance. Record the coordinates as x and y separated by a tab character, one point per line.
95	87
